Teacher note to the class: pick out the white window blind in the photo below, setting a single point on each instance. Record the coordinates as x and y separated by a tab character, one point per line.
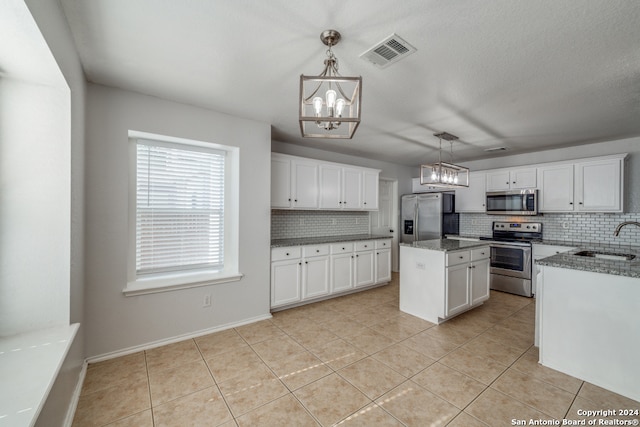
179	207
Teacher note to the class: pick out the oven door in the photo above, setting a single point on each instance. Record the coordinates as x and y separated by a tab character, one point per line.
511	260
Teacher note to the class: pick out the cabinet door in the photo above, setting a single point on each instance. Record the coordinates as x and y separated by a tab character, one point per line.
330	187
383	265
342	272
498	181
285	282
523	178
280	183
351	188
598	186
364	272
472	198
370	190
305	184
479	281
556	188
457	289
315	277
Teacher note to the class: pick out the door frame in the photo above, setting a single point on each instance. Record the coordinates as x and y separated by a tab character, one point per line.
395	222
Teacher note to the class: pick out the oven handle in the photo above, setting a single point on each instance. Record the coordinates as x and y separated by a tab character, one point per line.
511	245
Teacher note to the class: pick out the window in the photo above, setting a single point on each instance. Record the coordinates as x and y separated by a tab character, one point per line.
178	221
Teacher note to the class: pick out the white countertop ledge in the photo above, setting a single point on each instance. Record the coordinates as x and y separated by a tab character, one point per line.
29	365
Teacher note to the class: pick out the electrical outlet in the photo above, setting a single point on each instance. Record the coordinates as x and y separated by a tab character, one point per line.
474	222
207	301
565	225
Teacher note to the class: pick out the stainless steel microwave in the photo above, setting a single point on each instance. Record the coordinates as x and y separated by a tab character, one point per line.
515	202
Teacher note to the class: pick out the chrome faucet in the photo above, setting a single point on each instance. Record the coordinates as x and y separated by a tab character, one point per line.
622	224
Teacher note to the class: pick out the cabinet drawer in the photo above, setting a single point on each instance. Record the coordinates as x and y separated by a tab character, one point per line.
366	245
454	258
383	244
342	248
480	253
289	252
315	250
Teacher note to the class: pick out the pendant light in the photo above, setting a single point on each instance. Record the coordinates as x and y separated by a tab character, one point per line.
442	174
329	103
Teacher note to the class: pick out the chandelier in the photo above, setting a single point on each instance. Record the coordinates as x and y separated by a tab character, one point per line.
442	174
329	103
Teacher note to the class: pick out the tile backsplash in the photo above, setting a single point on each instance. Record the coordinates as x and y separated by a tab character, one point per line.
583	227
293	224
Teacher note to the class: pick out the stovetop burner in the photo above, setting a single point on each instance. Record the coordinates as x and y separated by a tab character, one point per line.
520	232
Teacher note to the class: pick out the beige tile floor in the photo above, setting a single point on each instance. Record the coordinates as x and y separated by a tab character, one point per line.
355	361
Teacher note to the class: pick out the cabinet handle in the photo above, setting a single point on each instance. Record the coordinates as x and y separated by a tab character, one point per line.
306	262
481	253
365	203
377	253
365	246
317	250
299	263
289	199
507	182
287	253
343	249
339	203
514	182
357	256
570	203
579	203
461	257
344	203
296	200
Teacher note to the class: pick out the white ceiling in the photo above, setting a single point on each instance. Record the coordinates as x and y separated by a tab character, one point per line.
526	75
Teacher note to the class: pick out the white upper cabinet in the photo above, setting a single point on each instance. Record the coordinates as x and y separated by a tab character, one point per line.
294	183
472	198
330	187
370	192
351	188
599	186
280	182
304	183
588	186
299	183
511	179
556	188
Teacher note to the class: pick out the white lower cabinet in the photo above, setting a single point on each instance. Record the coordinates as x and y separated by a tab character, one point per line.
306	273
457	289
315	277
285	282
467	279
383	265
437	285
364	267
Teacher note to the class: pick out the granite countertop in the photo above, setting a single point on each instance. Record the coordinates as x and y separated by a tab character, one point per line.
445	245
302	241
596	265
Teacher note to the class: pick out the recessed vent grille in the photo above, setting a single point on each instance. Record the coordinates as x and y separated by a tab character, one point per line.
490	150
390	50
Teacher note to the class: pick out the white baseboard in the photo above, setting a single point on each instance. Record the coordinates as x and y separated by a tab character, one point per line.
160	343
73	405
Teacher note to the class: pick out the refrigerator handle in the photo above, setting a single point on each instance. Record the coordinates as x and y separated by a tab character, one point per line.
416	226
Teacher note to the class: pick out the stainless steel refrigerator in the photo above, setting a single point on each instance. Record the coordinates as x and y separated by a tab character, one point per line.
428	216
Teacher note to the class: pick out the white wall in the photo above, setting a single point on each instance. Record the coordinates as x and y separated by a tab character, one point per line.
115	322
632	165
41	169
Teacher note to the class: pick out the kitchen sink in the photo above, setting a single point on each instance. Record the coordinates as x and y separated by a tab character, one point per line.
606	255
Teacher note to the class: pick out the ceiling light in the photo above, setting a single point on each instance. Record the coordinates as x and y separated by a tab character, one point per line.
442	174
329	103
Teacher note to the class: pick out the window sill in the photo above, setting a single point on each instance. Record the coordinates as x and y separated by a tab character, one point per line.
29	365
173	282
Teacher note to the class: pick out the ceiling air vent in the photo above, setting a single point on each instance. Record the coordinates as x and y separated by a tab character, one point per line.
491	150
388	51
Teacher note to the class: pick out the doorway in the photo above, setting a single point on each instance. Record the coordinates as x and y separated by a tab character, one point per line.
384	222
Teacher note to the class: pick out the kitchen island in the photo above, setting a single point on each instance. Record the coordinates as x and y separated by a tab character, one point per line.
442	278
589	316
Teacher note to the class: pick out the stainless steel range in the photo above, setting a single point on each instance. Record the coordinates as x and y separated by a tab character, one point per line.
511	256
